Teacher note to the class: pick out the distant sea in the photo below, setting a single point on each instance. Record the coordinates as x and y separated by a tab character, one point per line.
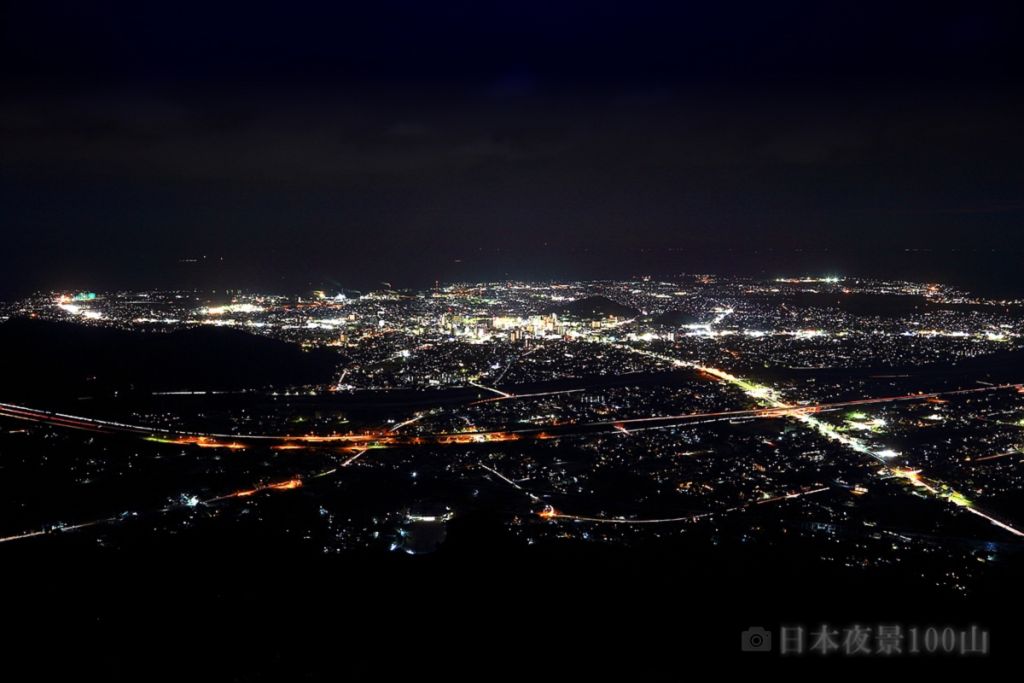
985	272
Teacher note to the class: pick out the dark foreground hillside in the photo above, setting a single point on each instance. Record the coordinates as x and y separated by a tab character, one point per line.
53	359
247	610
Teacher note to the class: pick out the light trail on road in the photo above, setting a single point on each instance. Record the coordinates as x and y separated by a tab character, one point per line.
355	457
551	513
383	438
512	397
361	443
406	423
499	392
767	395
284	485
1015	451
289	484
24	535
515	484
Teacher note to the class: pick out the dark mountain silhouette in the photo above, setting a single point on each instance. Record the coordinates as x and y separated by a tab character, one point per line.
593	307
47	358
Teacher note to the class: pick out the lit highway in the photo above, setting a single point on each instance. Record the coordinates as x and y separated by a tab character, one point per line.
498	354
388	437
766	395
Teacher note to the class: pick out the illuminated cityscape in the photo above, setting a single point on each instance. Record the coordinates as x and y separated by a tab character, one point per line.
864	430
546	340
605	412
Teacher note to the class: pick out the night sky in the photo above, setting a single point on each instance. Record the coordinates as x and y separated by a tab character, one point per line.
285	145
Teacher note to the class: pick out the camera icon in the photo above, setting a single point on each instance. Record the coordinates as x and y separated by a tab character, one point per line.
756	639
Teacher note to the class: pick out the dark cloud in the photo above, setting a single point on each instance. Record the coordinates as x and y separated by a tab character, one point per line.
391	141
